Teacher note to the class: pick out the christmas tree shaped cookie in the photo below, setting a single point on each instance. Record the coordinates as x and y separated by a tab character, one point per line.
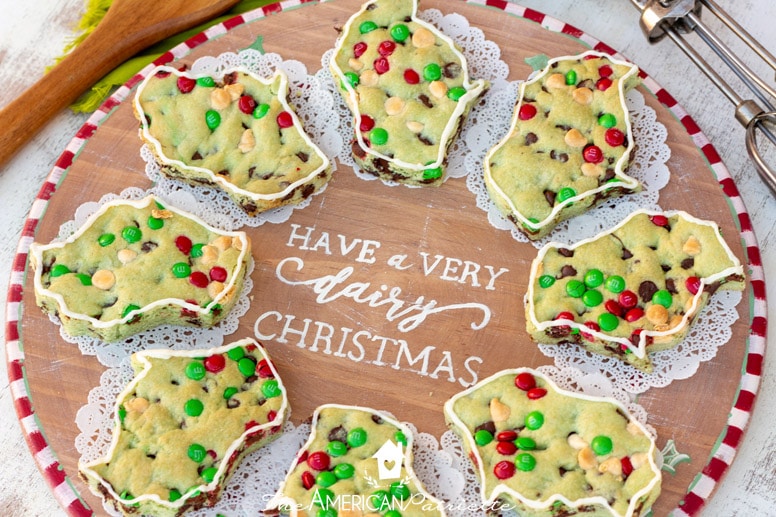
183	424
632	290
568	146
408	88
546	451
135	265
236	131
356	460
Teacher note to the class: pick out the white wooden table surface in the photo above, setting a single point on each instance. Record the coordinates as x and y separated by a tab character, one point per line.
33	32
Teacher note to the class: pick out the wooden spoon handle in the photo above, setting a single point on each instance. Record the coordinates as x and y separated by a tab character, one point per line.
63	84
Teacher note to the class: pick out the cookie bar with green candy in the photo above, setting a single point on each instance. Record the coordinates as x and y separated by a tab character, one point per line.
139	264
183	424
631	290
356	459
546	451
408	88
568	146
236	131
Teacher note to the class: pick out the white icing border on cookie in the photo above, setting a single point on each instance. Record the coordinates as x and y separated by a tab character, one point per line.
215	178
502	488
627	181
640	351
473	90
36	256
279	499
282	414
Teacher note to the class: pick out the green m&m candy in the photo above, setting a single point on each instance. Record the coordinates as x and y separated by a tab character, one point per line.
566	193
525	462
607	120
155	223
594	278
336	448
483	437
246	366
174	495
196	452
181	270
379	500
193	407
352	79
524	443
571	77
592	298
131	234
271	388
85	279
432	72
400	438
260	111
196	250
546	281
357	437
326	479
456	92
195	371
344	470
129	308
207	82
400	32
400	491
106	239
601	445
212	119
608	321
378	136
229	392
575	288
615	284
432	173
236	353
209	474
663	297
367	26
534	420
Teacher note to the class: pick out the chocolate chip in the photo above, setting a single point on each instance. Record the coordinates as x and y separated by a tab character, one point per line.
626	254
549	195
425	100
424	140
671	286
531	138
665	267
303	156
148	246
647	289
487	426
567	270
565	252
377	419
338	434
223	172
232	403
688	263
452	70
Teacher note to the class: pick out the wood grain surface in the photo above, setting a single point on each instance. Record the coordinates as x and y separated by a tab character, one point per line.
404	221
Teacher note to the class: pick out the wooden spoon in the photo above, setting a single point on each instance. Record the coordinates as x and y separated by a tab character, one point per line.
128	27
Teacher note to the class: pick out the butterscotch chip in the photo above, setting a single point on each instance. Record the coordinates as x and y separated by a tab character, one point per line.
438	89
247	141
423	37
499	412
103	279
575	139
220	99
592	170
692	246
369	78
126	256
657	314
556	81
235	90
582	96
394	105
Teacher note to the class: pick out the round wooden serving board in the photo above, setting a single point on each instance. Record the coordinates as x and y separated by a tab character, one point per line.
345	352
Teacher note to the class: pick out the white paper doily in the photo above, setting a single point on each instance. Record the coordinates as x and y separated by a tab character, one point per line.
174	337
313	104
484	61
441	465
